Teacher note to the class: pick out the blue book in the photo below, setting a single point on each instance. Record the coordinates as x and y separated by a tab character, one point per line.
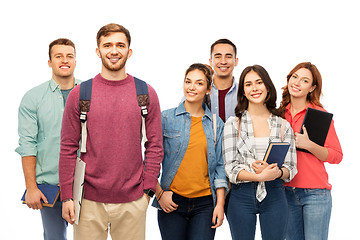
276	153
51	193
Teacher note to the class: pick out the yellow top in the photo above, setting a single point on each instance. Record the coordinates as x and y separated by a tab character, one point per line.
192	178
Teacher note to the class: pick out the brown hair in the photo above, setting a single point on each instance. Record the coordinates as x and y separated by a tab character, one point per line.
61	41
112	28
313	97
270	100
208	72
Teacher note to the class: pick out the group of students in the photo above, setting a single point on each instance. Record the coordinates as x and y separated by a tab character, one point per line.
209	149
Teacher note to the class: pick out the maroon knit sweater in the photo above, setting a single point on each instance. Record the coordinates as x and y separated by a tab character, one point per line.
115	172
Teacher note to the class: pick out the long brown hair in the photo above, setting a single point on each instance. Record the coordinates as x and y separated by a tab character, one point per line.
270	100
313	97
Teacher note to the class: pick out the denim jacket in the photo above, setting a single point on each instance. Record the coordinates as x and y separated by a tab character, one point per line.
176	123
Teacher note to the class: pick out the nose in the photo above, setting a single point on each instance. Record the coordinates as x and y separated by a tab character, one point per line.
223	60
114	50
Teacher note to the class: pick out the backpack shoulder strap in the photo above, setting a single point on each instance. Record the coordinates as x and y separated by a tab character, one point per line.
142	93
214	127
84	106
282	129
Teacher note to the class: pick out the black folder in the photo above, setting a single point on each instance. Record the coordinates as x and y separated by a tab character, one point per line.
317	124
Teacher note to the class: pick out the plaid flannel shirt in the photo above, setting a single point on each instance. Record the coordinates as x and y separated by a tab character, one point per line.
239	153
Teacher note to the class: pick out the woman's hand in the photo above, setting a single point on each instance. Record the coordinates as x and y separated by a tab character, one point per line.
218	216
271	172
302	140
167	203
259	166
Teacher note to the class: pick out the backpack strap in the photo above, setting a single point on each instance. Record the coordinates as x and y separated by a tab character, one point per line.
84	106
142	93
282	129
214	126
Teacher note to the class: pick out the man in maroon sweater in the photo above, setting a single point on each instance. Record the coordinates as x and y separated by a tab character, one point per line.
118	185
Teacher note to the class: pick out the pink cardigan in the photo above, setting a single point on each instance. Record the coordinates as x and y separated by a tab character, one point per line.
311	170
115	172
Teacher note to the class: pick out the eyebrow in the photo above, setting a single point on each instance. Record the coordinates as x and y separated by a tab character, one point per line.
226	54
200	79
256	80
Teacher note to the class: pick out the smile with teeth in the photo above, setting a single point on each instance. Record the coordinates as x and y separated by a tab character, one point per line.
223	68
63	67
295	89
114	59
191	93
256	95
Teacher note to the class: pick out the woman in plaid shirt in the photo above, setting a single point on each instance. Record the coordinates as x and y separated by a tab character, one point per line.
257	187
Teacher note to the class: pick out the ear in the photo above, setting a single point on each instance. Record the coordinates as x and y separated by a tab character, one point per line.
49	63
312	88
98	52
236	61
129	53
208	91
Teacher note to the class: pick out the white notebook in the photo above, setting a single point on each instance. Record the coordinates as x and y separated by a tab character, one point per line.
78	187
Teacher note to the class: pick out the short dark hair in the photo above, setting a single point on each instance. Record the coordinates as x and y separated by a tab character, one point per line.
112	28
61	41
223	41
243	102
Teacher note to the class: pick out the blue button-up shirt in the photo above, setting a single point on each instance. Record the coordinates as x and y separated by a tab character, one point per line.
176	124
230	100
40	116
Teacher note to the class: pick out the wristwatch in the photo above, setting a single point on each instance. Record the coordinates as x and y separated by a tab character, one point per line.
149	192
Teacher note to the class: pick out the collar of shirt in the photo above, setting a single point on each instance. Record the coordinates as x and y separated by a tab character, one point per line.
54	85
181	110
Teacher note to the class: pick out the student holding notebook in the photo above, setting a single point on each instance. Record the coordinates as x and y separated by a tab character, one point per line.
308	194
257	187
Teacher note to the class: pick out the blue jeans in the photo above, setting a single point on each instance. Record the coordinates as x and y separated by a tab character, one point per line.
242	209
309	213
191	221
53	223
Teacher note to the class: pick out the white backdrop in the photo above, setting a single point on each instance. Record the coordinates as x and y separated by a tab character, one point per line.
166	38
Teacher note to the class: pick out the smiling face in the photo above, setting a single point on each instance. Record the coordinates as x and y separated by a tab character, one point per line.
223	60
195	86
254	88
62	61
114	51
300	83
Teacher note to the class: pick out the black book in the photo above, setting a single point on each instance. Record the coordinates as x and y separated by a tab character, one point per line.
317	125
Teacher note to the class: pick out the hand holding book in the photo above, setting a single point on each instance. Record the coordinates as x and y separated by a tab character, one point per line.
302	140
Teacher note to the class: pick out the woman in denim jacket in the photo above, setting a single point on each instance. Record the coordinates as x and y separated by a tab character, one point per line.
193	183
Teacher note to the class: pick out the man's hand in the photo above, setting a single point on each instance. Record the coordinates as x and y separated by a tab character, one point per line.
68	211
33	198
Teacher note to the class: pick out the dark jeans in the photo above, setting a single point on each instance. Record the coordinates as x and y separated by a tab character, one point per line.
191	220
242	209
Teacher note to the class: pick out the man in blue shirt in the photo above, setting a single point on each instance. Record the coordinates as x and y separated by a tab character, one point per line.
40	117
224	88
